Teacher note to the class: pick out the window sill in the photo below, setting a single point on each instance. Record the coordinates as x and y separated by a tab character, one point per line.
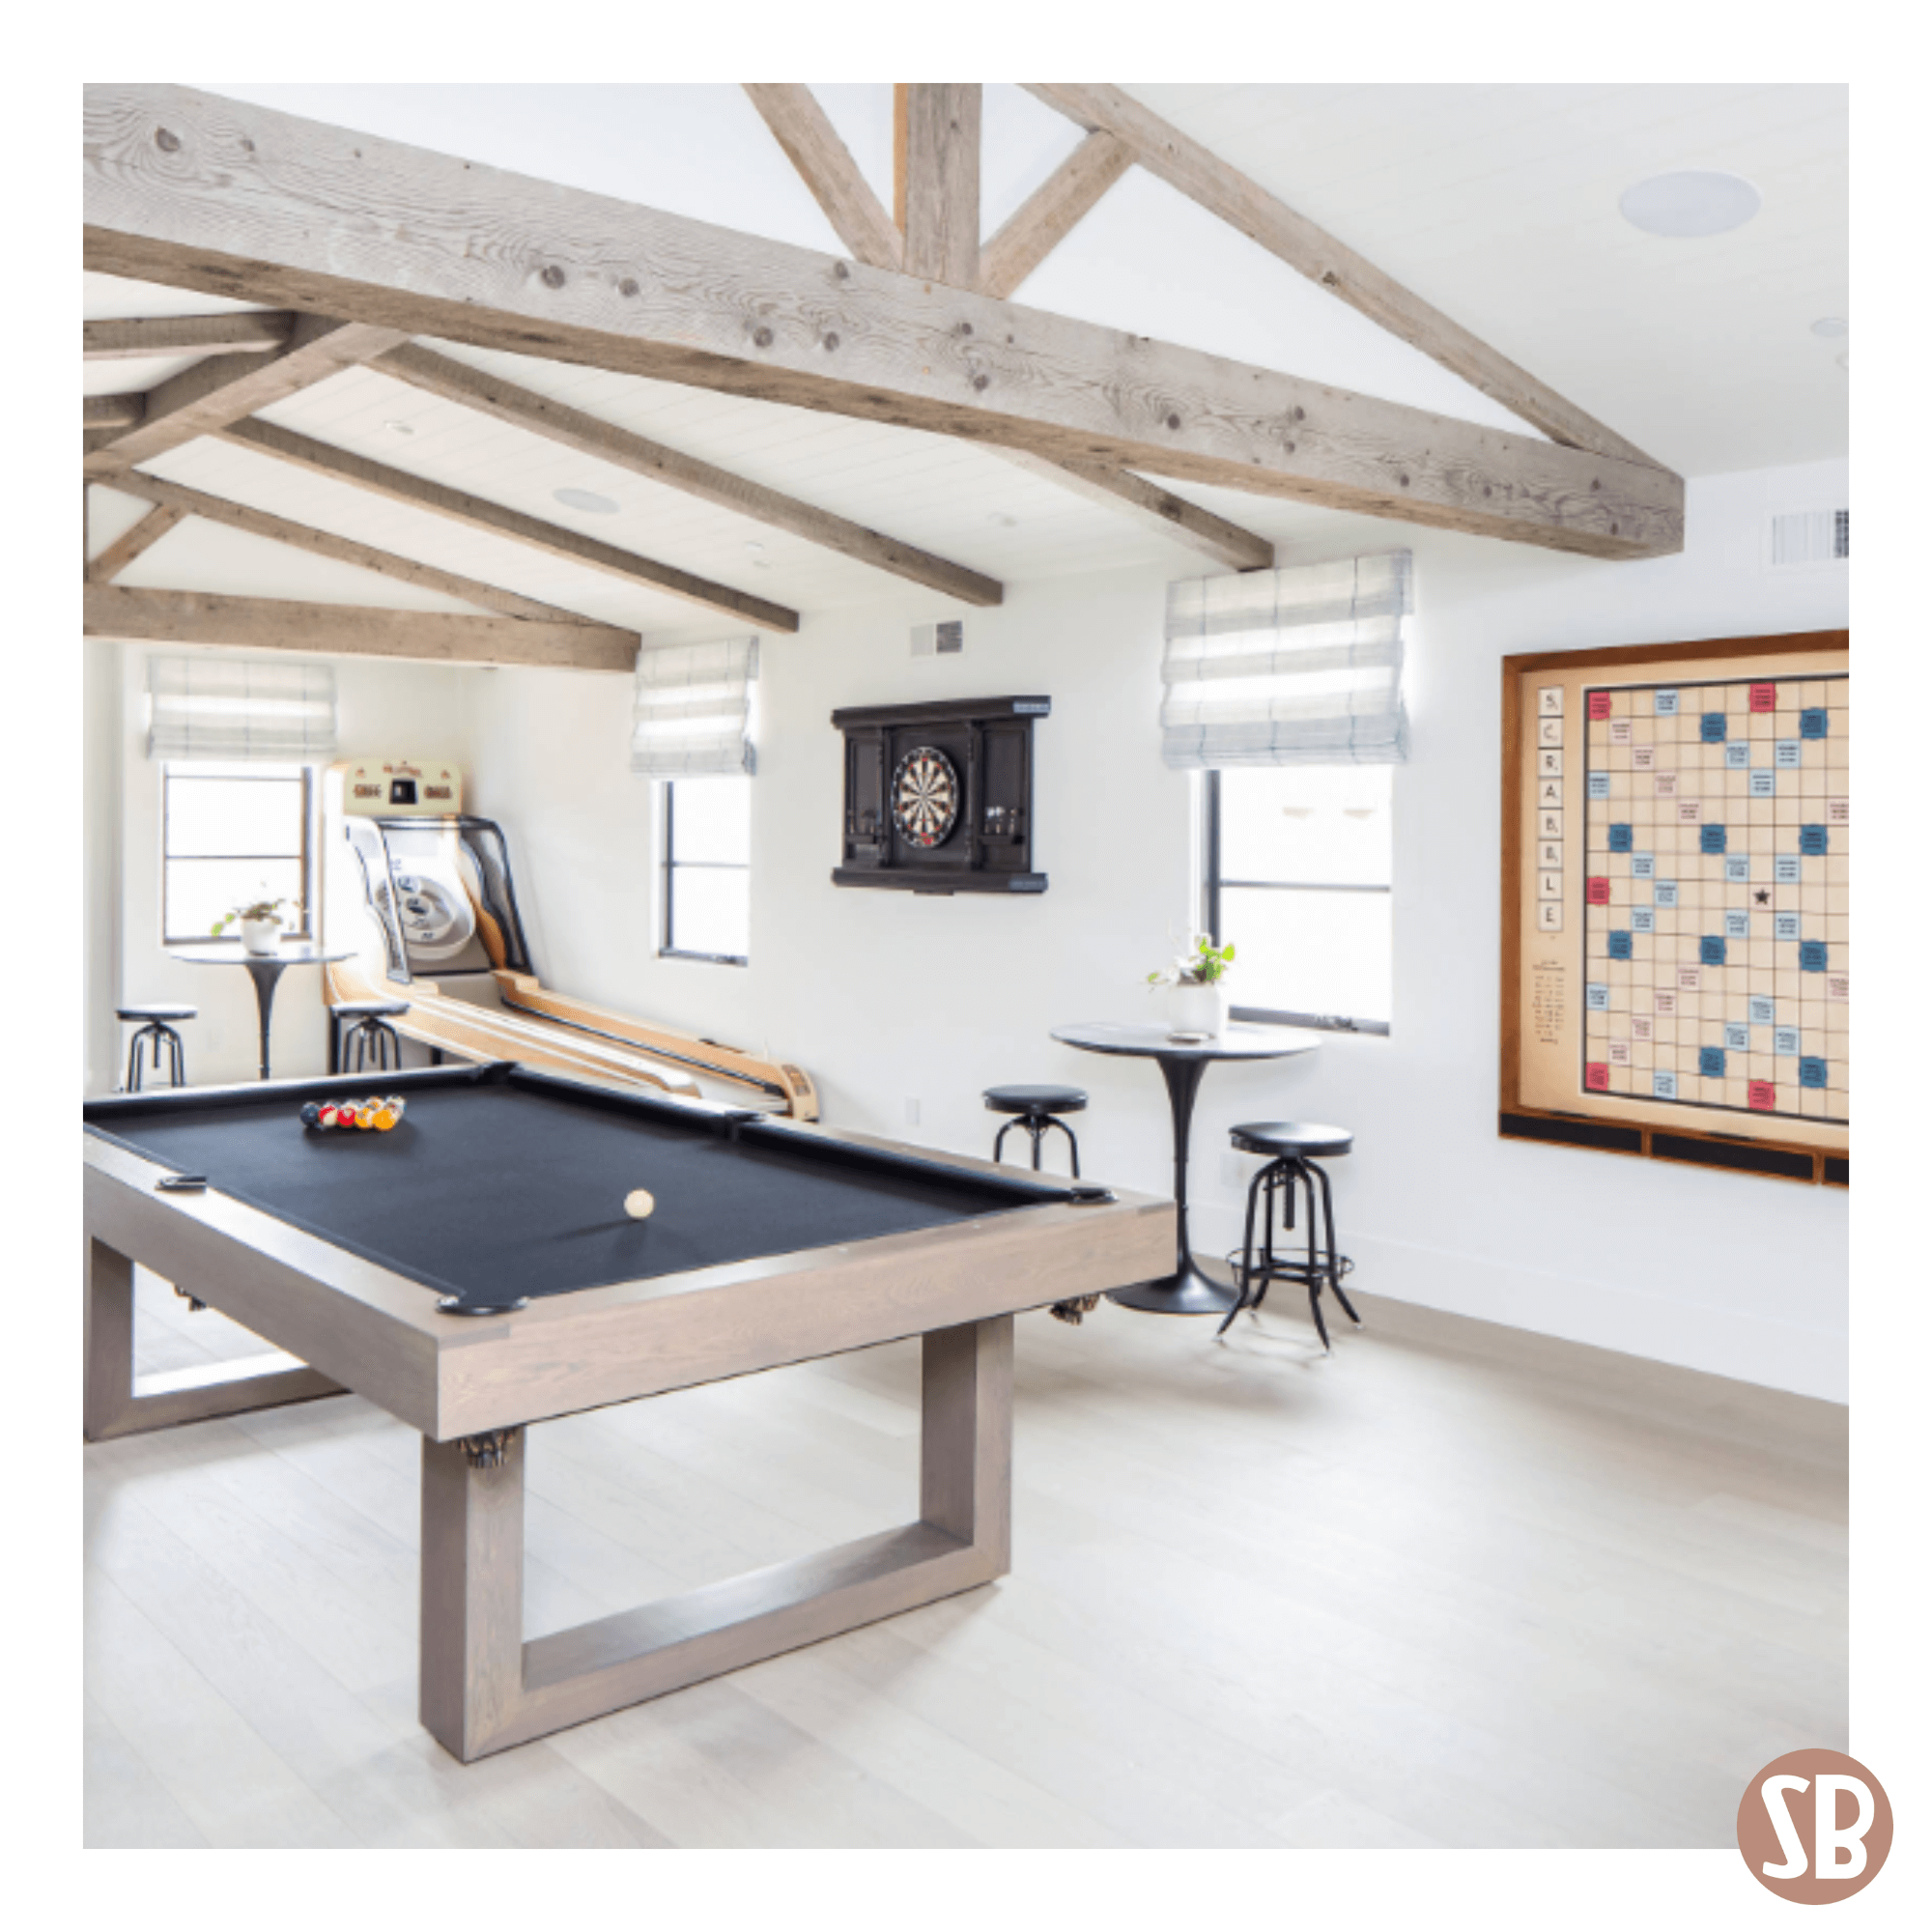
1311	1022
704	958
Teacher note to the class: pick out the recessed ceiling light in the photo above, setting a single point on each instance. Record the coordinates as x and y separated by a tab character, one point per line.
755	548
1833	325
585	499
1689	203
399	428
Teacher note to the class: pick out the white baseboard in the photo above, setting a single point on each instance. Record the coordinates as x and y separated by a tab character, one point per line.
1719	1342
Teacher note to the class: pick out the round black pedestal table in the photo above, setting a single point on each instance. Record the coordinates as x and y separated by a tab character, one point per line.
264	968
1188	1291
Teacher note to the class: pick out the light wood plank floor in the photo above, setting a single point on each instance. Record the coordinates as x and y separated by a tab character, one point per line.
1455	1585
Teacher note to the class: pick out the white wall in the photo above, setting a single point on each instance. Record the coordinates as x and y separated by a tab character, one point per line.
416	708
888	997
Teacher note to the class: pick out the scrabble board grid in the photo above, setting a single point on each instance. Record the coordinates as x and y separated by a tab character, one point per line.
1676	973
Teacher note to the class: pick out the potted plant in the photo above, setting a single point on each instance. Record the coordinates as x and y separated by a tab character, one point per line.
1197	1001
260	921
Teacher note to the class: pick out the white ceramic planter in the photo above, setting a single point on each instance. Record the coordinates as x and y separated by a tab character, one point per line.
261	935
1197	1008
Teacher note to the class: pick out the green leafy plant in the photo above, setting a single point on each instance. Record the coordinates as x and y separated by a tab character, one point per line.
1199	963
255	909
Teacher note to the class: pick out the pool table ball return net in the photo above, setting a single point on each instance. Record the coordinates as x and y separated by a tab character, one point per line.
474	1271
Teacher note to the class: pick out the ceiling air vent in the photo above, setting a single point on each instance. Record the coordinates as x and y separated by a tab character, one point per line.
1806	539
928	639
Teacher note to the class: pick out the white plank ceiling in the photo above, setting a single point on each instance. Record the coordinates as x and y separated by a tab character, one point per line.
1496	204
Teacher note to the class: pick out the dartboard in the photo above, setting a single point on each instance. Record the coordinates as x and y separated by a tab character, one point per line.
925	796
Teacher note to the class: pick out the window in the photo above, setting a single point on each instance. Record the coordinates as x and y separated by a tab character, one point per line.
230	834
1298	878
708	870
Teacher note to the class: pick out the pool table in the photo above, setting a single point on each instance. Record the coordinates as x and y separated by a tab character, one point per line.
473	1271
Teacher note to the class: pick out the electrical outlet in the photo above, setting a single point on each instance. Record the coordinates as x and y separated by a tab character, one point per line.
911	1111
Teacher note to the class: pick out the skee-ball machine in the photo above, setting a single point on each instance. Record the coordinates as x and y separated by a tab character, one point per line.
422	888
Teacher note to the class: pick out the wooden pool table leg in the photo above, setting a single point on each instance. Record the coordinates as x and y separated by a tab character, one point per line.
117	1401
483	1689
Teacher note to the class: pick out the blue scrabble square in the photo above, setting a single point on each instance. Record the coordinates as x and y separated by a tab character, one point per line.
1643	865
1785	926
1737	869
1784	1039
1762	1009
1643	919
1790	753
1597	999
1663	1086
1811	1072
1811	955
1711	727
1813	842
1710	950
1764	785
1710	838
1814	723
1736	754
1663	892
1710	1063
1600	784
1620	945
1786	869
1737	923
1620	838
1737	1038
1666	703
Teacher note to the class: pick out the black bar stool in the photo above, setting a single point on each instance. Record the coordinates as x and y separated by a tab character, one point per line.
156	1031
1291	1148
1037	1109
370	1040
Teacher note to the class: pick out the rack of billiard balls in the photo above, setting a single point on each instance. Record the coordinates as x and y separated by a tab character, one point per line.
378	1114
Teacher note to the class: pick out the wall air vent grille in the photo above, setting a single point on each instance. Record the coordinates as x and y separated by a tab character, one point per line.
1806	539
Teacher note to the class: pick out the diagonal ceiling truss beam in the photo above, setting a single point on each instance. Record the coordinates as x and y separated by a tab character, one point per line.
1183	163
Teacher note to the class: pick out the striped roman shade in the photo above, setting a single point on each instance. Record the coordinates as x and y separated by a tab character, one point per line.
1296	666
693	714
232	710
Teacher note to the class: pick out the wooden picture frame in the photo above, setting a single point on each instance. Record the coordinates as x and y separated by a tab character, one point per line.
1550	1088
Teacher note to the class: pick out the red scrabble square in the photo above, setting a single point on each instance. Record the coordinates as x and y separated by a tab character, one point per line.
1763	1097
1764	697
1597	891
1600	704
1597	1076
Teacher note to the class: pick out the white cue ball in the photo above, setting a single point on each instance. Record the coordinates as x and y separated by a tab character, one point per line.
638	1203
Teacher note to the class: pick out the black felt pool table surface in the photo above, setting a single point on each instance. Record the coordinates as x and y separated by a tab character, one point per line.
500	1186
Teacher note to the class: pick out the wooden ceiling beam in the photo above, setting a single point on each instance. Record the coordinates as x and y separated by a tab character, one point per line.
123	339
177	497
419	492
1155	509
222	390
239	200
1183	163
132	543
120	412
825	164
348	629
508	402
936	178
1047	215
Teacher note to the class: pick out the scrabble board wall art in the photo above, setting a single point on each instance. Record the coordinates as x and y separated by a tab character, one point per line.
1677	962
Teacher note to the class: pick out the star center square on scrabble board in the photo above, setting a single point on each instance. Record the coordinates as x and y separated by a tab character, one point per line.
1716	890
